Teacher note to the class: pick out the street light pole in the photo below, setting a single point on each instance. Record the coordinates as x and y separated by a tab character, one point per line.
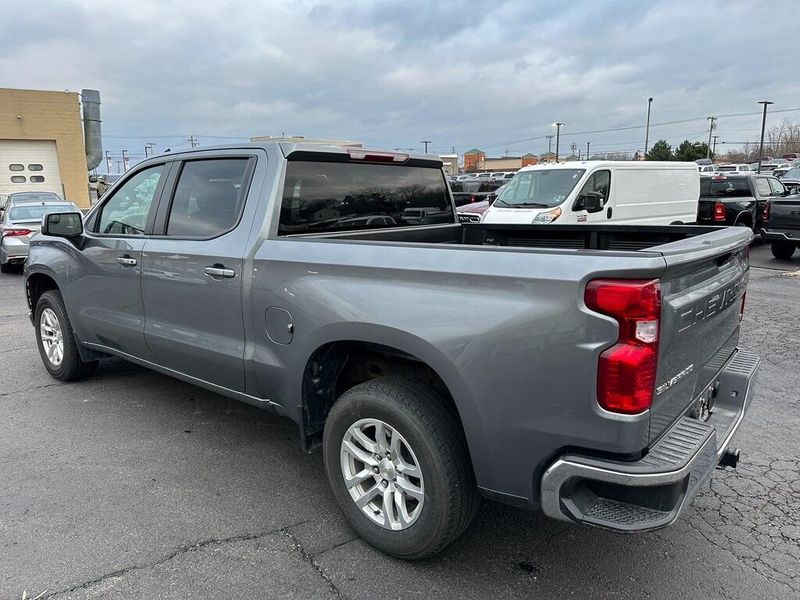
426	142
558	136
647	128
587	149
763	127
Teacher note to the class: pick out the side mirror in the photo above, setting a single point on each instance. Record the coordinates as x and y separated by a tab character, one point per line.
65	224
590	202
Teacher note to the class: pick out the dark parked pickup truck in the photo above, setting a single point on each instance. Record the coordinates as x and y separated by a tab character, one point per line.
728	199
592	372
782	225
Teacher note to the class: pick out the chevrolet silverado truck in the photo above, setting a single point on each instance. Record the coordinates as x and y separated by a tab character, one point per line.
592	372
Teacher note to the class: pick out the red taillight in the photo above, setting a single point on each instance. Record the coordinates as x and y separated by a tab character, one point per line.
473	198
626	372
8	232
765	214
719	212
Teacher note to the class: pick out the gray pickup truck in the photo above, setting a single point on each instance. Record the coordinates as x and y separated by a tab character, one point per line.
592	372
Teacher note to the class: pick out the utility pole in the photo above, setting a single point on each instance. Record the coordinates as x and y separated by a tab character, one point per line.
549	144
192	140
149	146
710	131
587	149
108	161
647	129
124	161
763	126
426	142
574	147
558	125
714	149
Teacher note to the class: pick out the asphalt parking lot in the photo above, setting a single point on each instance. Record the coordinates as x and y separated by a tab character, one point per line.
134	485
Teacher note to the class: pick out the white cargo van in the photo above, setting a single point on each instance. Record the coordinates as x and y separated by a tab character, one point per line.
647	192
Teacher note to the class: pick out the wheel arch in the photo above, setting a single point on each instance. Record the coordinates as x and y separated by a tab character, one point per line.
339	362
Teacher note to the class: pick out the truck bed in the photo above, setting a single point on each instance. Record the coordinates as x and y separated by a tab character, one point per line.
571	237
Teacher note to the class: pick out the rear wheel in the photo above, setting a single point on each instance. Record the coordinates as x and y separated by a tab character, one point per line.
783	250
56	341
399	467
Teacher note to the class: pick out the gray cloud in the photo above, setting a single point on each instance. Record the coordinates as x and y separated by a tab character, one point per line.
486	74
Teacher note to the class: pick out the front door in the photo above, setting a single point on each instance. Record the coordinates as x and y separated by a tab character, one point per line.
105	289
598	182
192	273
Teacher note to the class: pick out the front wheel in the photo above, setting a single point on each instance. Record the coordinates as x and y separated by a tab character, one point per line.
399	467
56	341
783	250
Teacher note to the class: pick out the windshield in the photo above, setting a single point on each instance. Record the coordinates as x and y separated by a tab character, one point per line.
725	187
37	211
542	188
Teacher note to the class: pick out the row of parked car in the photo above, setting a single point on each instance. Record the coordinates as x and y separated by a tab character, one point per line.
644	193
775	166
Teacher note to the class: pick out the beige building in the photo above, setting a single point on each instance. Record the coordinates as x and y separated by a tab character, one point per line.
41	144
449	163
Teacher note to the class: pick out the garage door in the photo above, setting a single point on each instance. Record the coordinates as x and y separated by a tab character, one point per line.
27	165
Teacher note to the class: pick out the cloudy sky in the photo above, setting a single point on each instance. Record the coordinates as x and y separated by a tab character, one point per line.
391	73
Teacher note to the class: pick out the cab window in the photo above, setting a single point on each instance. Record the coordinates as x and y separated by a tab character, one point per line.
125	213
762	186
778	188
600	182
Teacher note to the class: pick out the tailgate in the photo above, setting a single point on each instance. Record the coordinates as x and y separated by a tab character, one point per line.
705	209
784	214
701	290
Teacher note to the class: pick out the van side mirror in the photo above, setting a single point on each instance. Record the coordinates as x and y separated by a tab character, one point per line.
64	224
591	202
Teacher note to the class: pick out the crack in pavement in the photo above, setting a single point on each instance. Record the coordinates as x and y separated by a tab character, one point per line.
174	554
753	514
310	559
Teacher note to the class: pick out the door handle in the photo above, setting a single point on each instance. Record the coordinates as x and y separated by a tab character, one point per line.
219	272
126	261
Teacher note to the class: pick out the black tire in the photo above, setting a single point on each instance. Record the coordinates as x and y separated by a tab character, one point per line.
6	267
744	223
72	366
783	250
451	497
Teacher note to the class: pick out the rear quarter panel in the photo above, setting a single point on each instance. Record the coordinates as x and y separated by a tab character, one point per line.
505	329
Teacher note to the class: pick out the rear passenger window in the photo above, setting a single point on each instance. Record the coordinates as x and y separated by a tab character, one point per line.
208	198
341	196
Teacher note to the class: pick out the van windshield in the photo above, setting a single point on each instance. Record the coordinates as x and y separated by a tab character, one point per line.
542	188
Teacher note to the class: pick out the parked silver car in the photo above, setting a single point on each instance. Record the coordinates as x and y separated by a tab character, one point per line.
26	197
19	222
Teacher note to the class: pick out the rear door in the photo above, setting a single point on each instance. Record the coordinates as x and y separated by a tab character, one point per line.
702	291
105	291
192	271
